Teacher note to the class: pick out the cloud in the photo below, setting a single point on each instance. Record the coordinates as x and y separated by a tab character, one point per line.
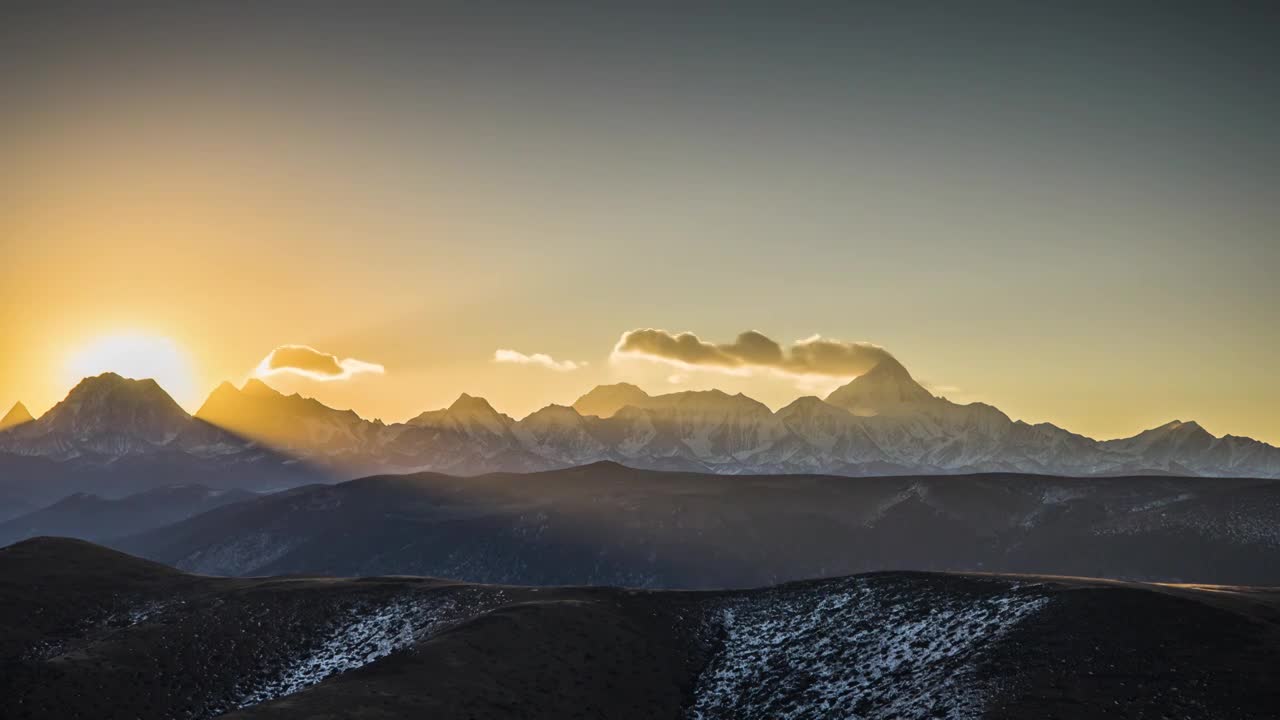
540	359
813	356
311	363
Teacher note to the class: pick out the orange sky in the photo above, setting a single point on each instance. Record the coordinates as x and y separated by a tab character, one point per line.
1104	271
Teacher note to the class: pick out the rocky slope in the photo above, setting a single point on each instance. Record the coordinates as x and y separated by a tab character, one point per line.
88	632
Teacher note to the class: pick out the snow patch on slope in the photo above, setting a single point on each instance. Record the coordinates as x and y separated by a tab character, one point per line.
865	650
365	634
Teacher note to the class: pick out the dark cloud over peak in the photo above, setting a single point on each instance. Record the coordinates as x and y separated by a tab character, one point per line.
751	350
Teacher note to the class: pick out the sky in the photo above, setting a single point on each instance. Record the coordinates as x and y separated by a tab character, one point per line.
1067	213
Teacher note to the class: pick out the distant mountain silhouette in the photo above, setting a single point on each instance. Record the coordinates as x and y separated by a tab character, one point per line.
106	414
606	400
881	423
288	423
115	436
17	415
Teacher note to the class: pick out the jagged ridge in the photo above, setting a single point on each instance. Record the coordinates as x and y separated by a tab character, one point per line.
883	422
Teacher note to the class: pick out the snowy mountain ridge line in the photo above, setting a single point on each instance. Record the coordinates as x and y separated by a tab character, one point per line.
881	423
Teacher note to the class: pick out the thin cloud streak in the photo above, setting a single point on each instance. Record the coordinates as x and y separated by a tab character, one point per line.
305	361
540	359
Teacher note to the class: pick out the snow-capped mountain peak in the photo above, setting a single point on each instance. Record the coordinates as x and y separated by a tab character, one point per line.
106	414
471	416
886	388
109	402
559	432
258	412
883	422
606	400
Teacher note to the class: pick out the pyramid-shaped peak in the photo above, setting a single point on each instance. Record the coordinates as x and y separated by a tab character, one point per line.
888	367
17	415
1190	426
223	397
254	386
19	411
1175	432
471	404
884	388
473	415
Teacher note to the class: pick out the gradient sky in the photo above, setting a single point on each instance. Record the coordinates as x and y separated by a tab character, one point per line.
1070	214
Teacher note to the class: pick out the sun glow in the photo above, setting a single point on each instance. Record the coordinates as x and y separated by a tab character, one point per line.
137	356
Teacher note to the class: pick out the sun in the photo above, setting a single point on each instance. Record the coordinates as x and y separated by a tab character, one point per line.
138	356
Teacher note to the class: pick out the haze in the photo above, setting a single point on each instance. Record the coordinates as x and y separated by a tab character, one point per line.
1069	215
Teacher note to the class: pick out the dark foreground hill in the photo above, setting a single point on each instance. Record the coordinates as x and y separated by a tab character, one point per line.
605	524
88	632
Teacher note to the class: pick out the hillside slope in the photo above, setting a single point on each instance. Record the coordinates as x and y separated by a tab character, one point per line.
92	633
605	524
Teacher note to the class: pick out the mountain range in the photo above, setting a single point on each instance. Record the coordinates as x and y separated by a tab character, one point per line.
880	423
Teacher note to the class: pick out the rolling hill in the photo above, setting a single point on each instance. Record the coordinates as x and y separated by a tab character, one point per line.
606	524
110	636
